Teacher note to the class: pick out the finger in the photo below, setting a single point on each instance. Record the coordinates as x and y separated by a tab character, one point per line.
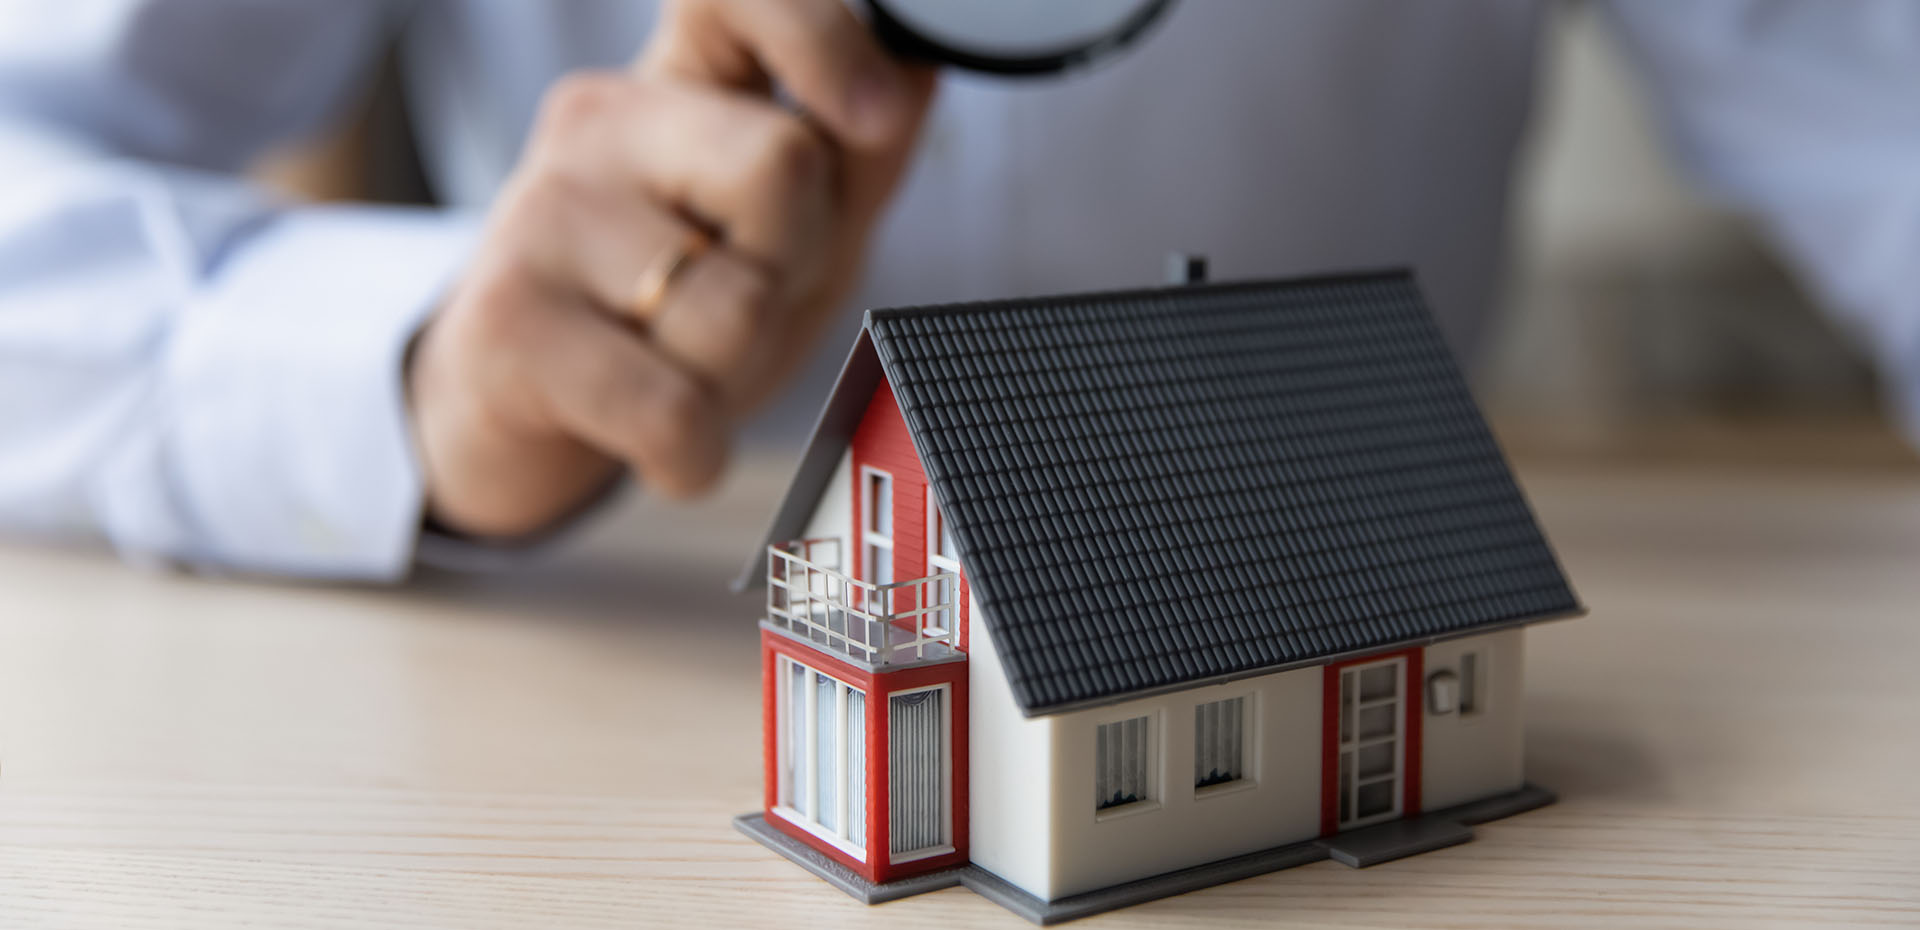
817	49
869	176
758	174
708	309
607	387
722	321
583	244
711	311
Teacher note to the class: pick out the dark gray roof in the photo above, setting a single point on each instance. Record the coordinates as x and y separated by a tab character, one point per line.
1156	488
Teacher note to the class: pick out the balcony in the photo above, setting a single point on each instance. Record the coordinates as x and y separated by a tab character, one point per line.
901	623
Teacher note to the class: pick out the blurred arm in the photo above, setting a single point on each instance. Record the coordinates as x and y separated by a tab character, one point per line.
1804	112
188	368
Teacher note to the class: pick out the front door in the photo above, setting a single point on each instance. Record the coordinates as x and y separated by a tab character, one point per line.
1370	746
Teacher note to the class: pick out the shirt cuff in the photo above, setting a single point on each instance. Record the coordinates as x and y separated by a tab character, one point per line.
294	444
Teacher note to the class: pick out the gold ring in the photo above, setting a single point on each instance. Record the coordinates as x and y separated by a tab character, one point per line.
650	289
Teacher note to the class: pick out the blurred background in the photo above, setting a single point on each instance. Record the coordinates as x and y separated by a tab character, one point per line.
1640	318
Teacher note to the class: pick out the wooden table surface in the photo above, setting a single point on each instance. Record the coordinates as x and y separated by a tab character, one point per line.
1735	732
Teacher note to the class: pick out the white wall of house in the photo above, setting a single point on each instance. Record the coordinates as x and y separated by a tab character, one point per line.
1010	774
1034	815
1278	803
1465	757
1033	818
833	514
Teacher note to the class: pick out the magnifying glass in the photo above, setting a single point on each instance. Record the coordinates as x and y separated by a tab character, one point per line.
1014	37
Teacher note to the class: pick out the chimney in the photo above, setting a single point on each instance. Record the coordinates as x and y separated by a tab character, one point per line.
1186	268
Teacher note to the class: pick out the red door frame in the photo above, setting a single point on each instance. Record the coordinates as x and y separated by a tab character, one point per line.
1414	706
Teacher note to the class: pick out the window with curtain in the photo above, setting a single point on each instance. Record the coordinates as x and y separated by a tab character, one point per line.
917	761
1219	742
1123	763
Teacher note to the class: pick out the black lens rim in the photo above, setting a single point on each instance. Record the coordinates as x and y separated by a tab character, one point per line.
907	42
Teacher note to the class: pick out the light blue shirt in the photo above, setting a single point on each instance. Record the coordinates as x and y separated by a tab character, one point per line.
203	374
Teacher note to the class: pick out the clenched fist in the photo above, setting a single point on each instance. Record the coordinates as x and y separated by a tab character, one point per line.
665	253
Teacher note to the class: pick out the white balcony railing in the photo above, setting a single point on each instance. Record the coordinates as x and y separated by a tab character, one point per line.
880	624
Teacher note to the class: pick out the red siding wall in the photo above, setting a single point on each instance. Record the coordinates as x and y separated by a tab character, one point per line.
877	685
880	442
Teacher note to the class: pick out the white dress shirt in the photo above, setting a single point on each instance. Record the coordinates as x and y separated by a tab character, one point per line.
204	375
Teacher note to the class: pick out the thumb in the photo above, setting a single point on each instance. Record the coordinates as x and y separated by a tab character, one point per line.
816	50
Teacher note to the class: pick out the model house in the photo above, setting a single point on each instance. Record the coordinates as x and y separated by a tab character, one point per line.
1085	600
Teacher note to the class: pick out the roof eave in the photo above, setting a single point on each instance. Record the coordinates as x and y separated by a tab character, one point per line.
1053	710
832	434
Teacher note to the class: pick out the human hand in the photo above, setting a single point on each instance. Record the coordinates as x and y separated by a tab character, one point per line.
595	328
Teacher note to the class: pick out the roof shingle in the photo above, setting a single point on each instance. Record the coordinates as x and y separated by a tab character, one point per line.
1155	488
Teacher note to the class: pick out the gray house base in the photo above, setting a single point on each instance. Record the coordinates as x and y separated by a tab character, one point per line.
1357	848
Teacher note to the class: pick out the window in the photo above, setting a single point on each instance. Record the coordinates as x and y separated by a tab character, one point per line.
942	557
917	773
1219	742
877	502
1123	763
823	754
939	538
1471	673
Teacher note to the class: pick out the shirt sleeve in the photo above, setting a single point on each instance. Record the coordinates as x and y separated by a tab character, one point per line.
1804	113
189	368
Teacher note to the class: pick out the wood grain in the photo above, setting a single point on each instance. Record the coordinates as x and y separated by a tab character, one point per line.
1735	732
